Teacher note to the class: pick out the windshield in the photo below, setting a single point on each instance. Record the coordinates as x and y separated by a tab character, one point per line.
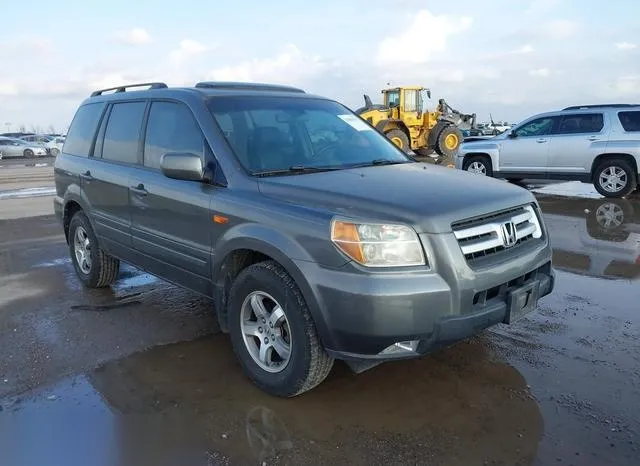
275	133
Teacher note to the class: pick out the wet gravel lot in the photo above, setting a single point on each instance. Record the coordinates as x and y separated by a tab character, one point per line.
138	374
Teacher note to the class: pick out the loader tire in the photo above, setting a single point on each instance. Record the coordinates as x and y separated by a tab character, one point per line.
449	141
400	139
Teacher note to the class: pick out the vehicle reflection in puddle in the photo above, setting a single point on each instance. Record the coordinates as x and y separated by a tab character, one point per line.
459	406
597	237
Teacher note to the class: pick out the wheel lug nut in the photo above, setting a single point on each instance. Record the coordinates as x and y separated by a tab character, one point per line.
266	340
273	337
263	320
271	324
260	329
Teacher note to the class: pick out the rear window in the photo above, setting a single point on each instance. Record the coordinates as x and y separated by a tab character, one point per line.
83	129
630	121
581	123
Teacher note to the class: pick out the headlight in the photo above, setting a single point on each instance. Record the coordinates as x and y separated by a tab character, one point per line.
378	245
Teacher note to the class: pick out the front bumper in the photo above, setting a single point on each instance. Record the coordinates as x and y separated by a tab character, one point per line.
366	315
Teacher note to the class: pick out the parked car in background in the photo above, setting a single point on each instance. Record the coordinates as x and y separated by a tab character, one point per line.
53	144
13	147
597	144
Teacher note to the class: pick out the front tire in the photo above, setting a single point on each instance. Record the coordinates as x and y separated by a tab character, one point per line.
615	178
479	165
449	141
273	334
94	267
55	152
400	139
28	153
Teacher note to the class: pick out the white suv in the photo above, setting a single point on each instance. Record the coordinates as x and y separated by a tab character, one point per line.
597	144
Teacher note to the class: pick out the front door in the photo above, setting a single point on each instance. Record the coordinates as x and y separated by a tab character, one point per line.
171	221
526	149
106	176
575	142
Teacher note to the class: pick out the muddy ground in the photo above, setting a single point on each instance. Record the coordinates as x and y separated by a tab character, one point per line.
138	374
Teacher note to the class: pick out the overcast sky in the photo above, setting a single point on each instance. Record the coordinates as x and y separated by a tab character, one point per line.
508	58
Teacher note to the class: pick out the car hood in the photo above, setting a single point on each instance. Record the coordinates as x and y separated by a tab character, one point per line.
428	197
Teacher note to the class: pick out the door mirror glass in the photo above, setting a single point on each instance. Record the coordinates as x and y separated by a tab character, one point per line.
183	166
512	135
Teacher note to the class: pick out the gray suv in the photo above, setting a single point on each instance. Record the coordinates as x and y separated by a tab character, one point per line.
597	144
315	237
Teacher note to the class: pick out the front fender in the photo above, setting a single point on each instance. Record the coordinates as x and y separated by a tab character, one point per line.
490	149
281	248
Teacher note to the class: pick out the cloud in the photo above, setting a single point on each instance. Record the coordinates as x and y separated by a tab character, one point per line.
626	46
560	29
8	88
135	36
627	86
422	39
290	65
189	49
26	45
540	72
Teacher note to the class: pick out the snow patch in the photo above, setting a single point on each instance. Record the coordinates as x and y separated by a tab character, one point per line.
570	189
27	192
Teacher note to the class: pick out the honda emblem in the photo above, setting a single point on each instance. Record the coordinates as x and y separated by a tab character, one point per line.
509	236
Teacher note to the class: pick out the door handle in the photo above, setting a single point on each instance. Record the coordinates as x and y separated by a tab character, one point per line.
541	140
86	176
593	138
139	190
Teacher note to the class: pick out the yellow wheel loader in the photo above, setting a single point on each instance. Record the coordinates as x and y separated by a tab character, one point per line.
428	133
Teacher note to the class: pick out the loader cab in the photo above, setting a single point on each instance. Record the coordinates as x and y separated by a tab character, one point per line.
407	100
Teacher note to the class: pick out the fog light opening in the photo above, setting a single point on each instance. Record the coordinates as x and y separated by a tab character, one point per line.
401	347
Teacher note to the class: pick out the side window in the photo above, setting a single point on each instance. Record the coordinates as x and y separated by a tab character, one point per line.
171	128
537	127
83	129
630	121
581	123
411	100
122	133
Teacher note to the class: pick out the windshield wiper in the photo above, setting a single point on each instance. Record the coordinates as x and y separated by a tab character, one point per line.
295	169
379	162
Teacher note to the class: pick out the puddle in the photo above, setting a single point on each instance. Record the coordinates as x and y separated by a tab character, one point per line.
457	407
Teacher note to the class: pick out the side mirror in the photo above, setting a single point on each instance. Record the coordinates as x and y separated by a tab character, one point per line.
186	166
512	135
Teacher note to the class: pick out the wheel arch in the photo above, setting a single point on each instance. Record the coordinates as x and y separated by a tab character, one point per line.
73	203
389	124
603	157
241	251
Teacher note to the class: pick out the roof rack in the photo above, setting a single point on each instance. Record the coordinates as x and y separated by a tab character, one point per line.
153	85
580	107
240	86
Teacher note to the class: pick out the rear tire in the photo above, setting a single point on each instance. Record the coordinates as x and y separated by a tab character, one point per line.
94	267
478	164
615	178
449	141
397	137
305	363
28	153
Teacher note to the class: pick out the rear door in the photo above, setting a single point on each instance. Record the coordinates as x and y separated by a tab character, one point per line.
171	219
528	151
106	177
575	141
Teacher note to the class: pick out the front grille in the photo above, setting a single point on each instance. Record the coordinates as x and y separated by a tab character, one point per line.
485	236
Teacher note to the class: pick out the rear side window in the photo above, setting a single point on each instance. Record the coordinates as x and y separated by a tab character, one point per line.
122	134
83	129
581	123
630	121
171	128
